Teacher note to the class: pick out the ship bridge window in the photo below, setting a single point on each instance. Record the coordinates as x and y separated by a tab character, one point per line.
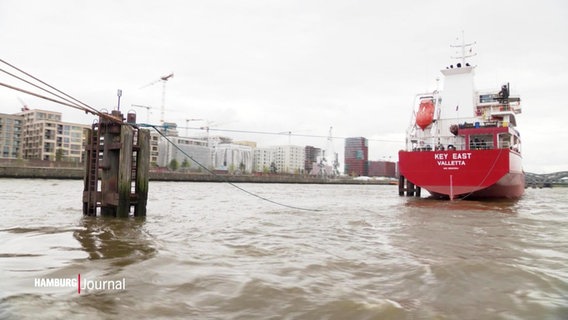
504	140
480	141
516	144
483	98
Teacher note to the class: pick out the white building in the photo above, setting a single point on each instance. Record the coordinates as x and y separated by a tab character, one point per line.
196	148
214	153
287	159
263	158
233	157
290	159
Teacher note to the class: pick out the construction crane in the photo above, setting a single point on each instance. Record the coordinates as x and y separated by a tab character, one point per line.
24	105
163	79
334	160
331	151
147	110
187	125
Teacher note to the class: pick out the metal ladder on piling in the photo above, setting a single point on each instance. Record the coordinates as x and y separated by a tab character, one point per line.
134	168
93	171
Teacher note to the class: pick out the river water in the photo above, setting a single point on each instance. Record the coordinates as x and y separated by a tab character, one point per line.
211	251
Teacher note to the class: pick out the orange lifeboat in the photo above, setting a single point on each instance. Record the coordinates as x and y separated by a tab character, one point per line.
425	114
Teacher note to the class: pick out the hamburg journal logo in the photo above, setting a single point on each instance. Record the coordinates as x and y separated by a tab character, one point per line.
82	284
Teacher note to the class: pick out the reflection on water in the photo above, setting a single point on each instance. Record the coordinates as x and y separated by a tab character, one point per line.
493	205
125	241
206	251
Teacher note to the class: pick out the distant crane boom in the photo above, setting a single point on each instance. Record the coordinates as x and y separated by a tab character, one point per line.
163	79
147	110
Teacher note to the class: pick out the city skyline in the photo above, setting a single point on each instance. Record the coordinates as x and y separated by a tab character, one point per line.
36	134
202	133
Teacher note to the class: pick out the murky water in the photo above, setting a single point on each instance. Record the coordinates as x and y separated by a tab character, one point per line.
210	251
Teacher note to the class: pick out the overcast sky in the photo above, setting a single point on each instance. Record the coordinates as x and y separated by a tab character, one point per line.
292	66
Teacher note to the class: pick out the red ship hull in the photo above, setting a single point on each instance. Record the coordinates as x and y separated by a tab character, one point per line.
494	173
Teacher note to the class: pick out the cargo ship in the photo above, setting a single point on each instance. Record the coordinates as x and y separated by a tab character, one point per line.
461	142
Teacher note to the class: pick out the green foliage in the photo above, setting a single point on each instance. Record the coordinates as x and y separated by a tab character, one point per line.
59	154
174	165
186	163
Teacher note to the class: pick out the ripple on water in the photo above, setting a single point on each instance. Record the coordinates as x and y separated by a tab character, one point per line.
208	252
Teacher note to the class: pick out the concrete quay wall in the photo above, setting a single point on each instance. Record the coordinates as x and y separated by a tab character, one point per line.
41	172
77	173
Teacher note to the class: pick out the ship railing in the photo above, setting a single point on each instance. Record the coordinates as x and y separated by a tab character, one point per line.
485	124
481	145
487	109
473	145
436	144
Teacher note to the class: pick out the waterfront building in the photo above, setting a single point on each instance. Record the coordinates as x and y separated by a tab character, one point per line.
232	157
71	141
356	156
382	169
251	144
195	147
263	159
154	142
312	155
169	129
46	137
10	136
289	159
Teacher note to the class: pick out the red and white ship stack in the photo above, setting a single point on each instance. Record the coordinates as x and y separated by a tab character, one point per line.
462	142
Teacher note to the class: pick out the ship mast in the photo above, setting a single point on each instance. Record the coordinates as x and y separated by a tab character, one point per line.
463	47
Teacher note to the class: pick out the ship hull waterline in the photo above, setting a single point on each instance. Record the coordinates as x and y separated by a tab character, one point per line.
495	173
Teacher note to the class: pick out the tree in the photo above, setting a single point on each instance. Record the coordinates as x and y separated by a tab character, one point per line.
186	164
59	154
273	168
174	165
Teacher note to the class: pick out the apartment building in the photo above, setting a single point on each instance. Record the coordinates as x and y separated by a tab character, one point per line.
154	143
10	136
46	137
70	142
290	159
262	159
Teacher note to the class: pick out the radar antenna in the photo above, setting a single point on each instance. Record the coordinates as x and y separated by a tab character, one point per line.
466	50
